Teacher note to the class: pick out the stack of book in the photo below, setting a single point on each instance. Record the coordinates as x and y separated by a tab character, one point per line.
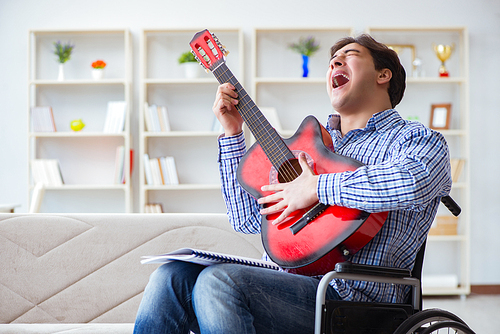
42	119
160	171
153	208
115	117
46	172
156	118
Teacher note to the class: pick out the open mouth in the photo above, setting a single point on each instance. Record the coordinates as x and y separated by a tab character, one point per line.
339	79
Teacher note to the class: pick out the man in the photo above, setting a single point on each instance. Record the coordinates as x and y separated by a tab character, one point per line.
406	172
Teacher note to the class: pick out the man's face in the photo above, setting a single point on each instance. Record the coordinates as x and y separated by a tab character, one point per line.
351	77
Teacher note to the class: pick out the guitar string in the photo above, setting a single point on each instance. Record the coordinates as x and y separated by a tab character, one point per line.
288	172
252	122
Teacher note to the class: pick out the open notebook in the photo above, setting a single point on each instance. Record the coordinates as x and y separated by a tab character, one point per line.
206	258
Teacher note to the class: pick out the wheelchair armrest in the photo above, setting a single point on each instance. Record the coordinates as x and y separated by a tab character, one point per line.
359	272
364	269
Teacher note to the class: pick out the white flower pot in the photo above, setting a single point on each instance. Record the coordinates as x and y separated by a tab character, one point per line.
60	76
191	70
97	73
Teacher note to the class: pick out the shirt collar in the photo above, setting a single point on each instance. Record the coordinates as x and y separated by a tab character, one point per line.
380	121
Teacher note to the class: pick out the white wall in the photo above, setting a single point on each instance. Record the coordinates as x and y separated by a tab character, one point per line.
482	17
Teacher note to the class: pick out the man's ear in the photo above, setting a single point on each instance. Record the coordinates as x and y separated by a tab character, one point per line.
384	76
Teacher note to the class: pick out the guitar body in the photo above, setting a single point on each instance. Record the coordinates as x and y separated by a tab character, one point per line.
310	241
335	234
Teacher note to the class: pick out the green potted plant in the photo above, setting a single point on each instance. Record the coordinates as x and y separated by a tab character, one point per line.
190	64
63	53
306	47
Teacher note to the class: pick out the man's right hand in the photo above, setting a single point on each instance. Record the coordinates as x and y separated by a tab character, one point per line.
225	109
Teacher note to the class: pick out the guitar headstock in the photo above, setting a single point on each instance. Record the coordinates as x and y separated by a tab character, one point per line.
207	49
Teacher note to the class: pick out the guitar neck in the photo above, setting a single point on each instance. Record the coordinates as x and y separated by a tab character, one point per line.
267	136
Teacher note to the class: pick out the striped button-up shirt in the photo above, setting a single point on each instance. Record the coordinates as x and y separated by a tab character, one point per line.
406	172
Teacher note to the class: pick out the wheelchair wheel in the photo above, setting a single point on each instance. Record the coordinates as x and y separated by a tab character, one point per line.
448	327
422	320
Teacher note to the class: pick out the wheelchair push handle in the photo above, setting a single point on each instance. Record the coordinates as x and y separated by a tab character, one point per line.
451	205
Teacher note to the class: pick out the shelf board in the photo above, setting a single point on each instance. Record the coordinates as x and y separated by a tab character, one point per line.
182	134
63	134
275	80
78	82
87	187
457	237
184	187
177	81
453	132
456	80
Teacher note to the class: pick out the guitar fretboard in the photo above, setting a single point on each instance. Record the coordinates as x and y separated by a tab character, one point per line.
271	142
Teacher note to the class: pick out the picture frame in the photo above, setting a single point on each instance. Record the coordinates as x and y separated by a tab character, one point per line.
440	116
406	54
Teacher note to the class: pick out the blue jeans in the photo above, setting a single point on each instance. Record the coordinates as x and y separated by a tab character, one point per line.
227	298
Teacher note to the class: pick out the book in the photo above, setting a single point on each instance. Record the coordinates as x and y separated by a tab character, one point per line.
156	118
115	117
42	119
46	172
206	258
147	170
120	165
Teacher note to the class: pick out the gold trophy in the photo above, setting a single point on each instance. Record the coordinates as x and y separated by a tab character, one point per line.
443	52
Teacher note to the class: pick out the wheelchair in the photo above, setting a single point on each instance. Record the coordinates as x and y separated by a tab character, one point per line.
332	317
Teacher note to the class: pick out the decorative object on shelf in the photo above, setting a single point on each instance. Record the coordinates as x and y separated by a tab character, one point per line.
191	66
77	125
63	52
306	47
443	52
98	69
406	54
440	116
417	68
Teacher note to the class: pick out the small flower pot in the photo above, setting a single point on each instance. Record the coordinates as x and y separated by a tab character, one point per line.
191	70
97	73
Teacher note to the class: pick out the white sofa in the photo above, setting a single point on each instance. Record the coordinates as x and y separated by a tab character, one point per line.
81	273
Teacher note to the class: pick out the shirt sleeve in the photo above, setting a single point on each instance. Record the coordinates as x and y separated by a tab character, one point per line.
416	170
242	208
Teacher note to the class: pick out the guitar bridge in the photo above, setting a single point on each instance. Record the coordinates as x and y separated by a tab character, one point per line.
308	217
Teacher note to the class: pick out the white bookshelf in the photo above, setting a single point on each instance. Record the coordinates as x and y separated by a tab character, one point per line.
445	254
191	140
86	158
277	83
277	74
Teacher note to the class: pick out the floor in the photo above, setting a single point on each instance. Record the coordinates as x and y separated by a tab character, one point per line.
480	312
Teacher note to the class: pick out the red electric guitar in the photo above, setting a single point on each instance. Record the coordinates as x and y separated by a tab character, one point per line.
310	241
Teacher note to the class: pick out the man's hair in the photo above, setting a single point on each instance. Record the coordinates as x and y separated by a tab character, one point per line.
383	57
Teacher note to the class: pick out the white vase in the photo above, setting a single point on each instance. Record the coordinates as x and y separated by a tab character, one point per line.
97	73
191	70
60	76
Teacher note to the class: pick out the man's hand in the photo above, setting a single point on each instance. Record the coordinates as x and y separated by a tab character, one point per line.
292	196
225	110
